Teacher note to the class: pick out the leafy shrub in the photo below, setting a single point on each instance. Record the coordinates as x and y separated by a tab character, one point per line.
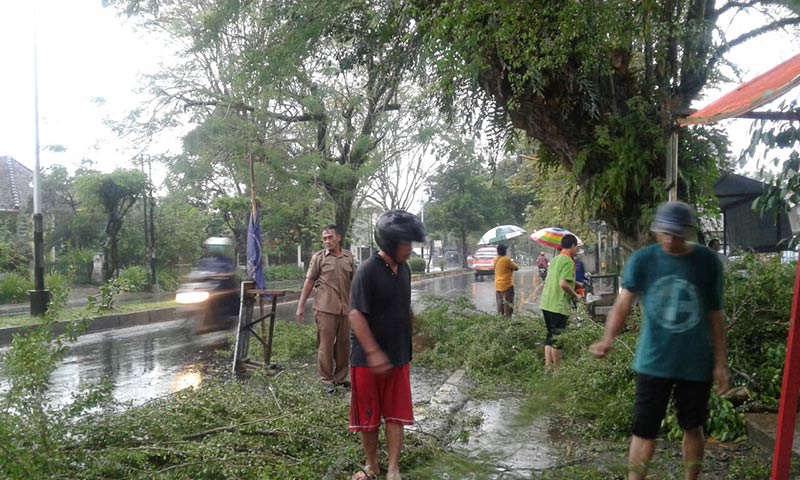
284	272
134	279
417	265
11	260
107	294
758	298
35	434
167	280
14	288
59	285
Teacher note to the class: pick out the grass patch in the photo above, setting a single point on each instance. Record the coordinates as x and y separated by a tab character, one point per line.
85	312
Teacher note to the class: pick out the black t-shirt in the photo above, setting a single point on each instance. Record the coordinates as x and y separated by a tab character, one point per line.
385	300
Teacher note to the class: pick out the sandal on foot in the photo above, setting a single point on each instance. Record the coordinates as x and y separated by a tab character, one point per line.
363	475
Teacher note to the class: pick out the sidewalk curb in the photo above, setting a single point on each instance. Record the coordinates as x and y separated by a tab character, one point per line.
761	432
144	317
437	417
99	324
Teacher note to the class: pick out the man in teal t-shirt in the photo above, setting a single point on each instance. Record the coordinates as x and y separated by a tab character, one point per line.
681	347
557	295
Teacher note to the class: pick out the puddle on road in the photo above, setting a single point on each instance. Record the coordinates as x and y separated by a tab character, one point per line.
518	448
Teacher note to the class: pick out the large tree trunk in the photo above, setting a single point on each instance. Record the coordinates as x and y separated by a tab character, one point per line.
110	257
343	203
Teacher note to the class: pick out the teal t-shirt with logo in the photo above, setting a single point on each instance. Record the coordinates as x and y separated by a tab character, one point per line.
678	292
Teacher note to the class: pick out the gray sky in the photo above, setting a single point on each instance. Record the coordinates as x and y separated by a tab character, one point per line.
87	52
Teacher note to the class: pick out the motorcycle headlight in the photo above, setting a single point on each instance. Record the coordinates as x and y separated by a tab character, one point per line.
185	298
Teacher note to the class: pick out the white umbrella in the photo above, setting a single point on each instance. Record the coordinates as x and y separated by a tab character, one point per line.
500	234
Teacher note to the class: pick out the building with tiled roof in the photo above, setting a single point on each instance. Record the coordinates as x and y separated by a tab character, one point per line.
16	186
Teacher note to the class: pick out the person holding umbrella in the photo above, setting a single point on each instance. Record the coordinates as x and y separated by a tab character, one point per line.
557	296
504	269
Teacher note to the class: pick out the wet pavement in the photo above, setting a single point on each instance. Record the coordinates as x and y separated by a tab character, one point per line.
516	449
149	361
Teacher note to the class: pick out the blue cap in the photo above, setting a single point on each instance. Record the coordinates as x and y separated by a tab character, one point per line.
674	218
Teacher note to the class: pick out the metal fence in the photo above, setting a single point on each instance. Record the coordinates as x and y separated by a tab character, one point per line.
81	270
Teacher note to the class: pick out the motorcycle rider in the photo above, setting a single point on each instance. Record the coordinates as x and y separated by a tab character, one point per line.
217	259
541	264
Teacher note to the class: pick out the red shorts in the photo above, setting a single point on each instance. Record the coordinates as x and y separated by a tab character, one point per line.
373	398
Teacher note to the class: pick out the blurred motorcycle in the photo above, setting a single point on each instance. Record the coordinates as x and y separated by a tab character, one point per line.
543	273
209	295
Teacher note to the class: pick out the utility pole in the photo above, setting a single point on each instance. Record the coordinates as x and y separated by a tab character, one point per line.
150	279
152	249
39	296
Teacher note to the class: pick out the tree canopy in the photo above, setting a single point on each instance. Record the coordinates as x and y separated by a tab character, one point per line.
599	84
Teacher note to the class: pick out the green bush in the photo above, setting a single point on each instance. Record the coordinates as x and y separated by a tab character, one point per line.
35	434
284	272
14	288
417	265
59	285
11	260
758	302
167	280
134	279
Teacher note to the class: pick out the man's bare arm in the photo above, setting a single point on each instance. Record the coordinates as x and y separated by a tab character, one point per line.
722	374
614	323
376	358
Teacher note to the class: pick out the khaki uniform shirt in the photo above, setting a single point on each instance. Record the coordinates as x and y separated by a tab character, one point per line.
332	276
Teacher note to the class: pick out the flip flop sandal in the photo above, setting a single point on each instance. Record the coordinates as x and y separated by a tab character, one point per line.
363	475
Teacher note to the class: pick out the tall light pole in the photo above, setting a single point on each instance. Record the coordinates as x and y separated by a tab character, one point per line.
39	296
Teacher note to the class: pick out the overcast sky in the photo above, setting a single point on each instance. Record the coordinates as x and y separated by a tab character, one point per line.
87	52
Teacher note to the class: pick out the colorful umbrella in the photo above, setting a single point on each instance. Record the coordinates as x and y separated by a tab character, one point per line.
551	237
500	234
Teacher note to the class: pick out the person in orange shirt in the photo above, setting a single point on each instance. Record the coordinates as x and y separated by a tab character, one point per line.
504	269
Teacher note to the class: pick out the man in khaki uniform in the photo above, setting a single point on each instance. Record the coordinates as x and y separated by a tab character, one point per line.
331	272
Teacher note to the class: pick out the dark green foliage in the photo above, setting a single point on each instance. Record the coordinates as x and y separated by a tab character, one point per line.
167	280
11	260
463	199
417	265
599	84
758	296
35	435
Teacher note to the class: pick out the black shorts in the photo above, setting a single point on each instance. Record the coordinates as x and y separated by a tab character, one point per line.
652	397
555	323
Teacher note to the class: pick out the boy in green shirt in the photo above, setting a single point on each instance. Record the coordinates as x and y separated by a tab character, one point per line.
557	295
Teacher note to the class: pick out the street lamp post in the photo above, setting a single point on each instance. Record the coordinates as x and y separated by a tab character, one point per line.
39	296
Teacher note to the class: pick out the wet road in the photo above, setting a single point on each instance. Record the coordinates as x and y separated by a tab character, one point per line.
152	360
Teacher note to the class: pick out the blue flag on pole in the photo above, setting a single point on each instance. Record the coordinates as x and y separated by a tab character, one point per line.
255	268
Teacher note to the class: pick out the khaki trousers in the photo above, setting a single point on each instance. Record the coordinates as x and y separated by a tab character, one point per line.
333	347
